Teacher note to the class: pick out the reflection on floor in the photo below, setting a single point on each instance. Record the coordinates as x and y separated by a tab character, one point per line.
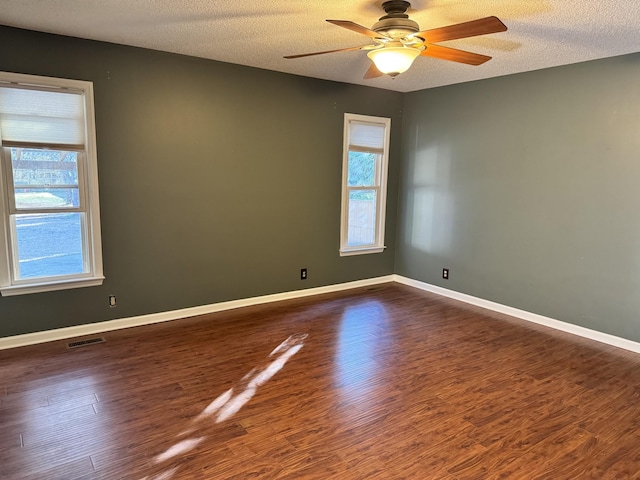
226	405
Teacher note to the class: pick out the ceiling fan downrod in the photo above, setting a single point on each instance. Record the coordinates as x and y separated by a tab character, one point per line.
395	8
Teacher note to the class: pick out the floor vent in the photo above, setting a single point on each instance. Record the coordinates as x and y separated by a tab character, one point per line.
82	343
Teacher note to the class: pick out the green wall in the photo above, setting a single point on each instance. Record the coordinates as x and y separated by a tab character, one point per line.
220	182
528	188
217	181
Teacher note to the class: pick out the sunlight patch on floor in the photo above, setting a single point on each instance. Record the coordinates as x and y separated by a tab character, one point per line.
227	404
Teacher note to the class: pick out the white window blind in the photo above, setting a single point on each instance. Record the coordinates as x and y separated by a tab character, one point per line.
369	137
30	116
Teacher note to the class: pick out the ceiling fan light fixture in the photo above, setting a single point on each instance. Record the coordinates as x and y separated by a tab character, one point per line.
393	60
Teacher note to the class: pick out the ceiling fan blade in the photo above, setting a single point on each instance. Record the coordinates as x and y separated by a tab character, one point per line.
356	28
328	51
454	55
473	28
373	72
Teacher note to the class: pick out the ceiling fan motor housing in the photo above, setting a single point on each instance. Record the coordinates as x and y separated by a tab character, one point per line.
396	22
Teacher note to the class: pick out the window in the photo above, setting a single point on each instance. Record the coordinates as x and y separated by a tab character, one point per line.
50	225
364	184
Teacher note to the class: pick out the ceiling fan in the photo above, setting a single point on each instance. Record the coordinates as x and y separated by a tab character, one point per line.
398	40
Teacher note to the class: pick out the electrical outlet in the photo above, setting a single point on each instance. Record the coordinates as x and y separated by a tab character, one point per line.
112	301
445	273
303	274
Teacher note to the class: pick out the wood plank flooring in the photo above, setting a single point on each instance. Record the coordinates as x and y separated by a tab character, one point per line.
386	382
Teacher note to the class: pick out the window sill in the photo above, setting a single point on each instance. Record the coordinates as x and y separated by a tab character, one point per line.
361	251
50	286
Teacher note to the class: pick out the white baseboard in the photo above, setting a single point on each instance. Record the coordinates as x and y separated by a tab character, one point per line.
101	327
524	315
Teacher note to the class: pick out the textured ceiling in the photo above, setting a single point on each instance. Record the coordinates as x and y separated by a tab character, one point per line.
542	33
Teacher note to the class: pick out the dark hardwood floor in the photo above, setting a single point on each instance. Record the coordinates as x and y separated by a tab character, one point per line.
384	382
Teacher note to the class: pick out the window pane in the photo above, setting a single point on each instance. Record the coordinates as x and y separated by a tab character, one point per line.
40	169
49	244
362	218
362	169
46	198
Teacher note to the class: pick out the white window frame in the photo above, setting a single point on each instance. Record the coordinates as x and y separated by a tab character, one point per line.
88	191
380	186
